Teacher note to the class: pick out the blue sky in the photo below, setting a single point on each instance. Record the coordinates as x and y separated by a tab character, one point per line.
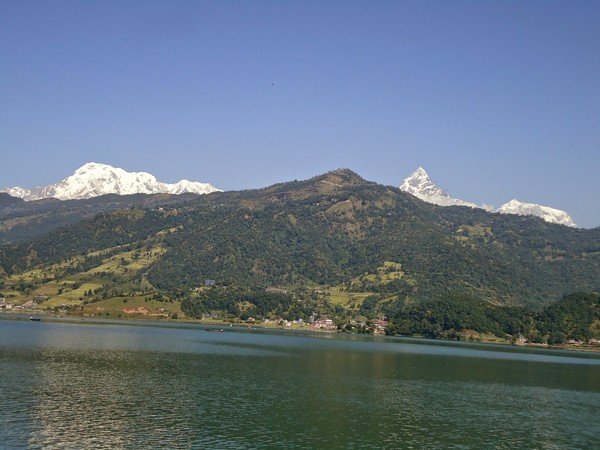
496	99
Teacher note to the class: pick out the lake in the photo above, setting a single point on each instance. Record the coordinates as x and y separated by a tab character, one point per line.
139	384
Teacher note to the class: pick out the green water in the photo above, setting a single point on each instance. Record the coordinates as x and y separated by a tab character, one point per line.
84	385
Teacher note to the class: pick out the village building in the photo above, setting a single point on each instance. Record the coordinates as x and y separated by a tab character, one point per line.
379	326
324	325
140	310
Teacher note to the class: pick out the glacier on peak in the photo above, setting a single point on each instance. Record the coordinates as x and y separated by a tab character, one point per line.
421	186
95	179
547	213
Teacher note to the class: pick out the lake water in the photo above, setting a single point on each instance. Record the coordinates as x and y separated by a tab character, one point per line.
114	385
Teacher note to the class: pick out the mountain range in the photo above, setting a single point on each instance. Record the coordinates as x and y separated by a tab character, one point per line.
334	230
95	179
421	186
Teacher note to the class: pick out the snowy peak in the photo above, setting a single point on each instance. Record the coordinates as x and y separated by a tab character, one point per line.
551	215
94	179
421	186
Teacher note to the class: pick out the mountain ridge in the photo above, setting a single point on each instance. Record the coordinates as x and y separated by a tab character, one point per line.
421	186
96	179
547	213
329	230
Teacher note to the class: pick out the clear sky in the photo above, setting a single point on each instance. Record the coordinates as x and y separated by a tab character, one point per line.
496	99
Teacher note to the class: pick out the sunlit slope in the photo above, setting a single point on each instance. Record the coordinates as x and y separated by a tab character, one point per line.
335	230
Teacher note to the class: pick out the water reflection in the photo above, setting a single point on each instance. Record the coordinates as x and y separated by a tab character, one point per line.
123	386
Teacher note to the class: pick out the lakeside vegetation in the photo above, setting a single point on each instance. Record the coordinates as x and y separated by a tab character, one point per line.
113	283
576	317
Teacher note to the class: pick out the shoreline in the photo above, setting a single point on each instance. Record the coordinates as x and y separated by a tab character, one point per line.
27	314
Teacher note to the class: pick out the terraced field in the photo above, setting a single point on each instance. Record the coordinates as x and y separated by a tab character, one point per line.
74	282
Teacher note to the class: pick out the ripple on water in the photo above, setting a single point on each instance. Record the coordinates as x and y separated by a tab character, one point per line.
135	387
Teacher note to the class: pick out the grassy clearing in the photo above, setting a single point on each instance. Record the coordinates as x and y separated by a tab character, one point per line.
384	274
130	261
49	289
345	298
71	297
40	273
115	274
116	305
15	297
60	291
475	230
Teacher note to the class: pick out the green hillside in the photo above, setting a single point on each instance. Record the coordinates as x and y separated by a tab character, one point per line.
331	231
20	220
335	246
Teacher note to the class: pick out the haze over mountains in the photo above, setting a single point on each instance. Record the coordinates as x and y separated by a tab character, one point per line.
421	186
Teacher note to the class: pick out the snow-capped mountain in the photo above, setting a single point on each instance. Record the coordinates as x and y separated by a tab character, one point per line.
94	179
532	209
421	186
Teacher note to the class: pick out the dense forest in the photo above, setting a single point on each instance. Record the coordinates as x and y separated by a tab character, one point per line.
576	317
21	221
334	227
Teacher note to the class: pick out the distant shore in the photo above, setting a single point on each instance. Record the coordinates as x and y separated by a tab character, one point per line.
273	325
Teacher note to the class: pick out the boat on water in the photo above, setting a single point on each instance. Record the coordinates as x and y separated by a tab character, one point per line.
35	319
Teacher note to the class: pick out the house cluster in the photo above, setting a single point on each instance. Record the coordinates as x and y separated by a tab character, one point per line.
143	311
324	324
379	326
207	283
4	305
140	310
279	321
28	306
591	341
522	340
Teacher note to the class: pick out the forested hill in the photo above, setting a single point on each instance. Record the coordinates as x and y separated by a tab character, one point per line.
331	230
21	220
